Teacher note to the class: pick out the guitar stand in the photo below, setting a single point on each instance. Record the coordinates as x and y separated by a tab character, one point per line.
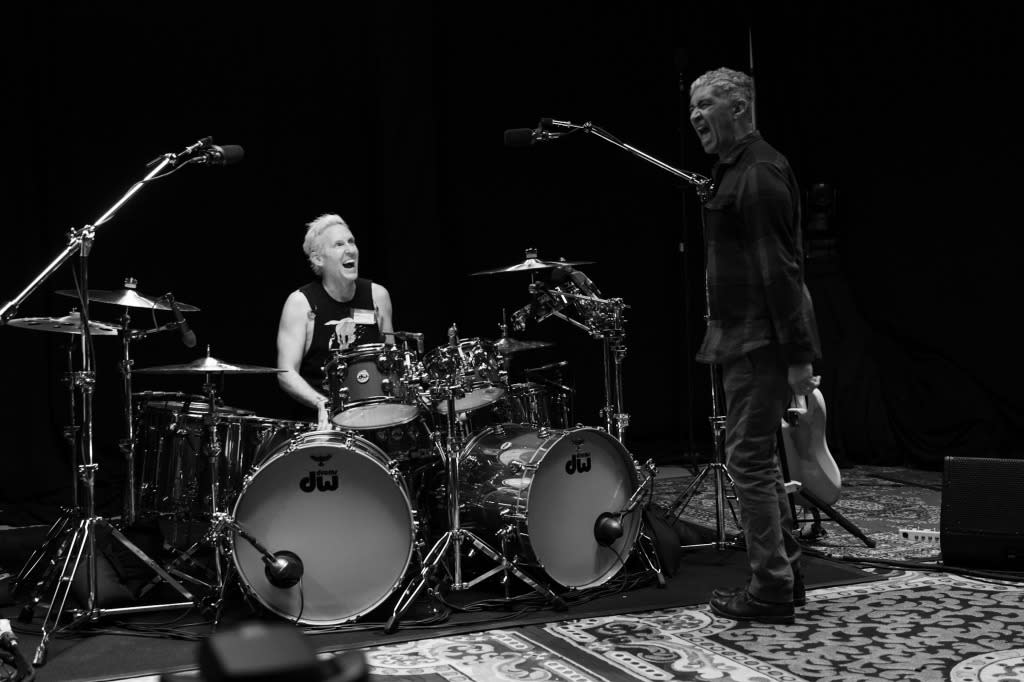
816	506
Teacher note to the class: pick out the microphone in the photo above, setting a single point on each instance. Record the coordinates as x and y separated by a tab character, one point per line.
188	337
608	525
215	155
285	570
194	147
525	137
585	285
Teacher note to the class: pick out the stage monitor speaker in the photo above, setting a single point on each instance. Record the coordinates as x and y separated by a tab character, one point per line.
982	513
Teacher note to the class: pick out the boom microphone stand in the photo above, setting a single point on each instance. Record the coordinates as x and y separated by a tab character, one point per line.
705	190
82	543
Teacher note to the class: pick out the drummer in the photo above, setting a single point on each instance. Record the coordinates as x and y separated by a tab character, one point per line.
336	311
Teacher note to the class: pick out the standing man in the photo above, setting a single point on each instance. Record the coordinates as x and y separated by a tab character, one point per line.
338	310
761	332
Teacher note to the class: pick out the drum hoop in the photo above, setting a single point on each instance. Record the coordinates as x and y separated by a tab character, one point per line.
331	436
361	351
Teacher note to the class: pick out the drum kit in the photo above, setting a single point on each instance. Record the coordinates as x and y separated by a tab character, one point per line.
323	526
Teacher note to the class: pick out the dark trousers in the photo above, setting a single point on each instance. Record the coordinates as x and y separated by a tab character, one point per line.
756	394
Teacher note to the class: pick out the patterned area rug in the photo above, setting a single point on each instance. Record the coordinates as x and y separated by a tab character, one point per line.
914	626
879	501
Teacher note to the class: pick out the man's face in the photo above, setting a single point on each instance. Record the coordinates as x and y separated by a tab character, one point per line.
713	118
338	252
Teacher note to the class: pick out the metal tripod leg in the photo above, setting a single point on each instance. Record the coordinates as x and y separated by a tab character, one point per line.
718	471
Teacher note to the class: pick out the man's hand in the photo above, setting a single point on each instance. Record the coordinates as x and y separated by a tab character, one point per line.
345	331
323	420
802	379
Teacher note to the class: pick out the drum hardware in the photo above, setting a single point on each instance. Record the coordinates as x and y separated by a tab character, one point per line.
450	389
81	541
602	318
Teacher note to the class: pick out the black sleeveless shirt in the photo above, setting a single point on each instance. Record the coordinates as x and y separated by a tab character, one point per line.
326	313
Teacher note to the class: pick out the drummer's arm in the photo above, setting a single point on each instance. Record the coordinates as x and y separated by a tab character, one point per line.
382	304
291	344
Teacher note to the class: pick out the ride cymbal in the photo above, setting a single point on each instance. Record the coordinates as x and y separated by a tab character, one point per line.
69	324
129	298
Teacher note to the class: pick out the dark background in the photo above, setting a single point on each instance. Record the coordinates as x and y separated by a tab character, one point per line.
391	115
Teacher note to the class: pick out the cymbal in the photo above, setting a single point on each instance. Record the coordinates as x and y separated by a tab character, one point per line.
207	365
129	298
533	264
69	324
506	345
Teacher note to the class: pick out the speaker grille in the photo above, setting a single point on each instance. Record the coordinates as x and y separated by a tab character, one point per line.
982	512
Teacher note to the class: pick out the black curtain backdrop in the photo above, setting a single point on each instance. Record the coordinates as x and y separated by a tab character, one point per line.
390	114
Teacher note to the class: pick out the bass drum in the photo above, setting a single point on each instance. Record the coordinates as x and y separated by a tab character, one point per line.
335	501
549	487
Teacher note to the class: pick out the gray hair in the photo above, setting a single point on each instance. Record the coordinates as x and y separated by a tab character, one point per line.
733	85
314	229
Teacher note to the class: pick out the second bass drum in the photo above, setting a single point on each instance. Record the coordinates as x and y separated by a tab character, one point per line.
543	490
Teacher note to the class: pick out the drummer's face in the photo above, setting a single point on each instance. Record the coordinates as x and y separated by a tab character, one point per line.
339	254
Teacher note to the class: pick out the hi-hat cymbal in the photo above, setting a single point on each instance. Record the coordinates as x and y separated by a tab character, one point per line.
533	264
69	324
129	298
506	345
208	365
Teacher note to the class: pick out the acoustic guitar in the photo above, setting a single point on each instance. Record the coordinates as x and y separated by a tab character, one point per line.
807	455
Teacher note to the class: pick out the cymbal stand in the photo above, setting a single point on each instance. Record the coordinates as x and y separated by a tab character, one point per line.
58	531
451	541
81	546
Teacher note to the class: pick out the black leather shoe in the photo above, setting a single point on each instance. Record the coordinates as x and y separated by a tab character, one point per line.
741	606
799	593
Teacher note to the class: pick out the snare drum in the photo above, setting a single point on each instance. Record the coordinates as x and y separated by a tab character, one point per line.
366	390
472	363
548	487
335	501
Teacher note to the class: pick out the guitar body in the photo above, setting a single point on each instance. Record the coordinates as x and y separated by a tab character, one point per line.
807	454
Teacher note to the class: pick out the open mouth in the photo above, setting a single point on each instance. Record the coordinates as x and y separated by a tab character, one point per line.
350	264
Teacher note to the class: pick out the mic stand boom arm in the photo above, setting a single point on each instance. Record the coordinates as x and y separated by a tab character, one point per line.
704	186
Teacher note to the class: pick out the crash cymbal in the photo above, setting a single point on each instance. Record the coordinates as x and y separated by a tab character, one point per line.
532	263
506	345
69	324
208	365
129	298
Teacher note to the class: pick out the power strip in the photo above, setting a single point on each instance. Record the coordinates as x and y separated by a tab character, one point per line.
919	535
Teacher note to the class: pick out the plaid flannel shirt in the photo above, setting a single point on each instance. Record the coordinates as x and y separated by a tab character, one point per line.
756	290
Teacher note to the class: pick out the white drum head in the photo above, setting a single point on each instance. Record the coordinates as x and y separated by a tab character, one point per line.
564	502
376	416
346	517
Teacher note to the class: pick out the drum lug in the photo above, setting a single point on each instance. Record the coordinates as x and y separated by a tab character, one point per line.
543	432
385	386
